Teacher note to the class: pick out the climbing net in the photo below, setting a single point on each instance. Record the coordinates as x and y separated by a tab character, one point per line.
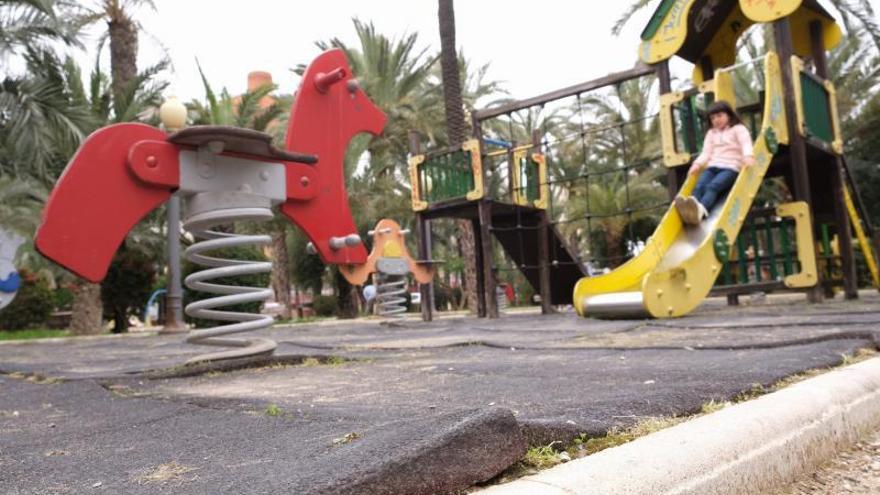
604	178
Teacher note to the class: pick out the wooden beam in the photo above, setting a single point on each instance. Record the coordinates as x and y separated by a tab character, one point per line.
797	146
543	247
423	230
665	80
489	281
636	72
844	233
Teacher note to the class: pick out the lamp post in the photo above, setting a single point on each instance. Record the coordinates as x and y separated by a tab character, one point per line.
173	116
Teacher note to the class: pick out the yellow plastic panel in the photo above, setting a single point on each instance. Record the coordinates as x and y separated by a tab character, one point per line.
806	250
724	87
797	66
837	144
417	203
722	49
671	35
544	196
671	156
473	147
800	32
516	158
768	10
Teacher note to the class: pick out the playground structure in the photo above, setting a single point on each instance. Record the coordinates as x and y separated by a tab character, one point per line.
522	194
223	175
10	281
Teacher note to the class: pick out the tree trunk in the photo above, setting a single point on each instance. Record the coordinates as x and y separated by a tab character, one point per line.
87	310
120	321
457	131
456	127
346	300
281	270
123	54
468	250
613	250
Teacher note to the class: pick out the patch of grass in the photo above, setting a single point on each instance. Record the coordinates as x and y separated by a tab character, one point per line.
754	392
542	457
33	333
336	361
860	355
274	411
35	378
309	362
617	436
164	473
714	406
347	438
318	361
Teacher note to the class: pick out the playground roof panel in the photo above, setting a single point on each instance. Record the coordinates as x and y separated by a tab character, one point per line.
693	29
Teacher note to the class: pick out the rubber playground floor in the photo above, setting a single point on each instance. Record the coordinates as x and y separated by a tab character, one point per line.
359	407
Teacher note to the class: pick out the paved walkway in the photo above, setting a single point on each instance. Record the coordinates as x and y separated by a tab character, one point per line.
359	407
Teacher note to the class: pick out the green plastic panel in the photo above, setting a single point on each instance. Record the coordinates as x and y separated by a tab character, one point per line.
817	109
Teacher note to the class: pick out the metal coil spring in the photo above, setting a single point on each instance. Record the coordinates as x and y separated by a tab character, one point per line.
390	300
501	299
210	240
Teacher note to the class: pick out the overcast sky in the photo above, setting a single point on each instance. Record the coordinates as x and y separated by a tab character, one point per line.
533	47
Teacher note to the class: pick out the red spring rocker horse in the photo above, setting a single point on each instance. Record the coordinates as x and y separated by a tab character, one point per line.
222	174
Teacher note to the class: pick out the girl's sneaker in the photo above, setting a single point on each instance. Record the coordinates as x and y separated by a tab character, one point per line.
688	210
702	214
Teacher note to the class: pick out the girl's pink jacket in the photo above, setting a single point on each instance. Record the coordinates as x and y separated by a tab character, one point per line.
726	148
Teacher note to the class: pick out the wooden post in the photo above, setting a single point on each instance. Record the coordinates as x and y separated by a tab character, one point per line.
483	238
485	246
797	145
423	230
543	245
481	265
844	229
665	80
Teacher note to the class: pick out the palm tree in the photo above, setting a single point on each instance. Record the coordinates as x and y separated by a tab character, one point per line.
457	132
40	126
122	32
20	203
32	24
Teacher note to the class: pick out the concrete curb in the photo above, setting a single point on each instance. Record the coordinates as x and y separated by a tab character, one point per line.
743	449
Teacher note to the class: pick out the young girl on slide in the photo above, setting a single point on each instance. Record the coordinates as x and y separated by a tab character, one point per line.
726	150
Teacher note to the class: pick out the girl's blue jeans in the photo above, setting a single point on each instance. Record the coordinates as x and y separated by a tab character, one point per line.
713	183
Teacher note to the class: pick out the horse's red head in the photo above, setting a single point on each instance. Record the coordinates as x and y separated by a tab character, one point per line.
330	108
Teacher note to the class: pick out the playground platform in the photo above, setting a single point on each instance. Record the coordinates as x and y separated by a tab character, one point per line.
412	408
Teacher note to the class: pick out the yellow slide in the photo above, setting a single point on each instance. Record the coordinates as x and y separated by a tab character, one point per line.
678	266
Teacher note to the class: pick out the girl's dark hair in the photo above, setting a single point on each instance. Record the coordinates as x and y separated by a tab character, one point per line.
722	106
